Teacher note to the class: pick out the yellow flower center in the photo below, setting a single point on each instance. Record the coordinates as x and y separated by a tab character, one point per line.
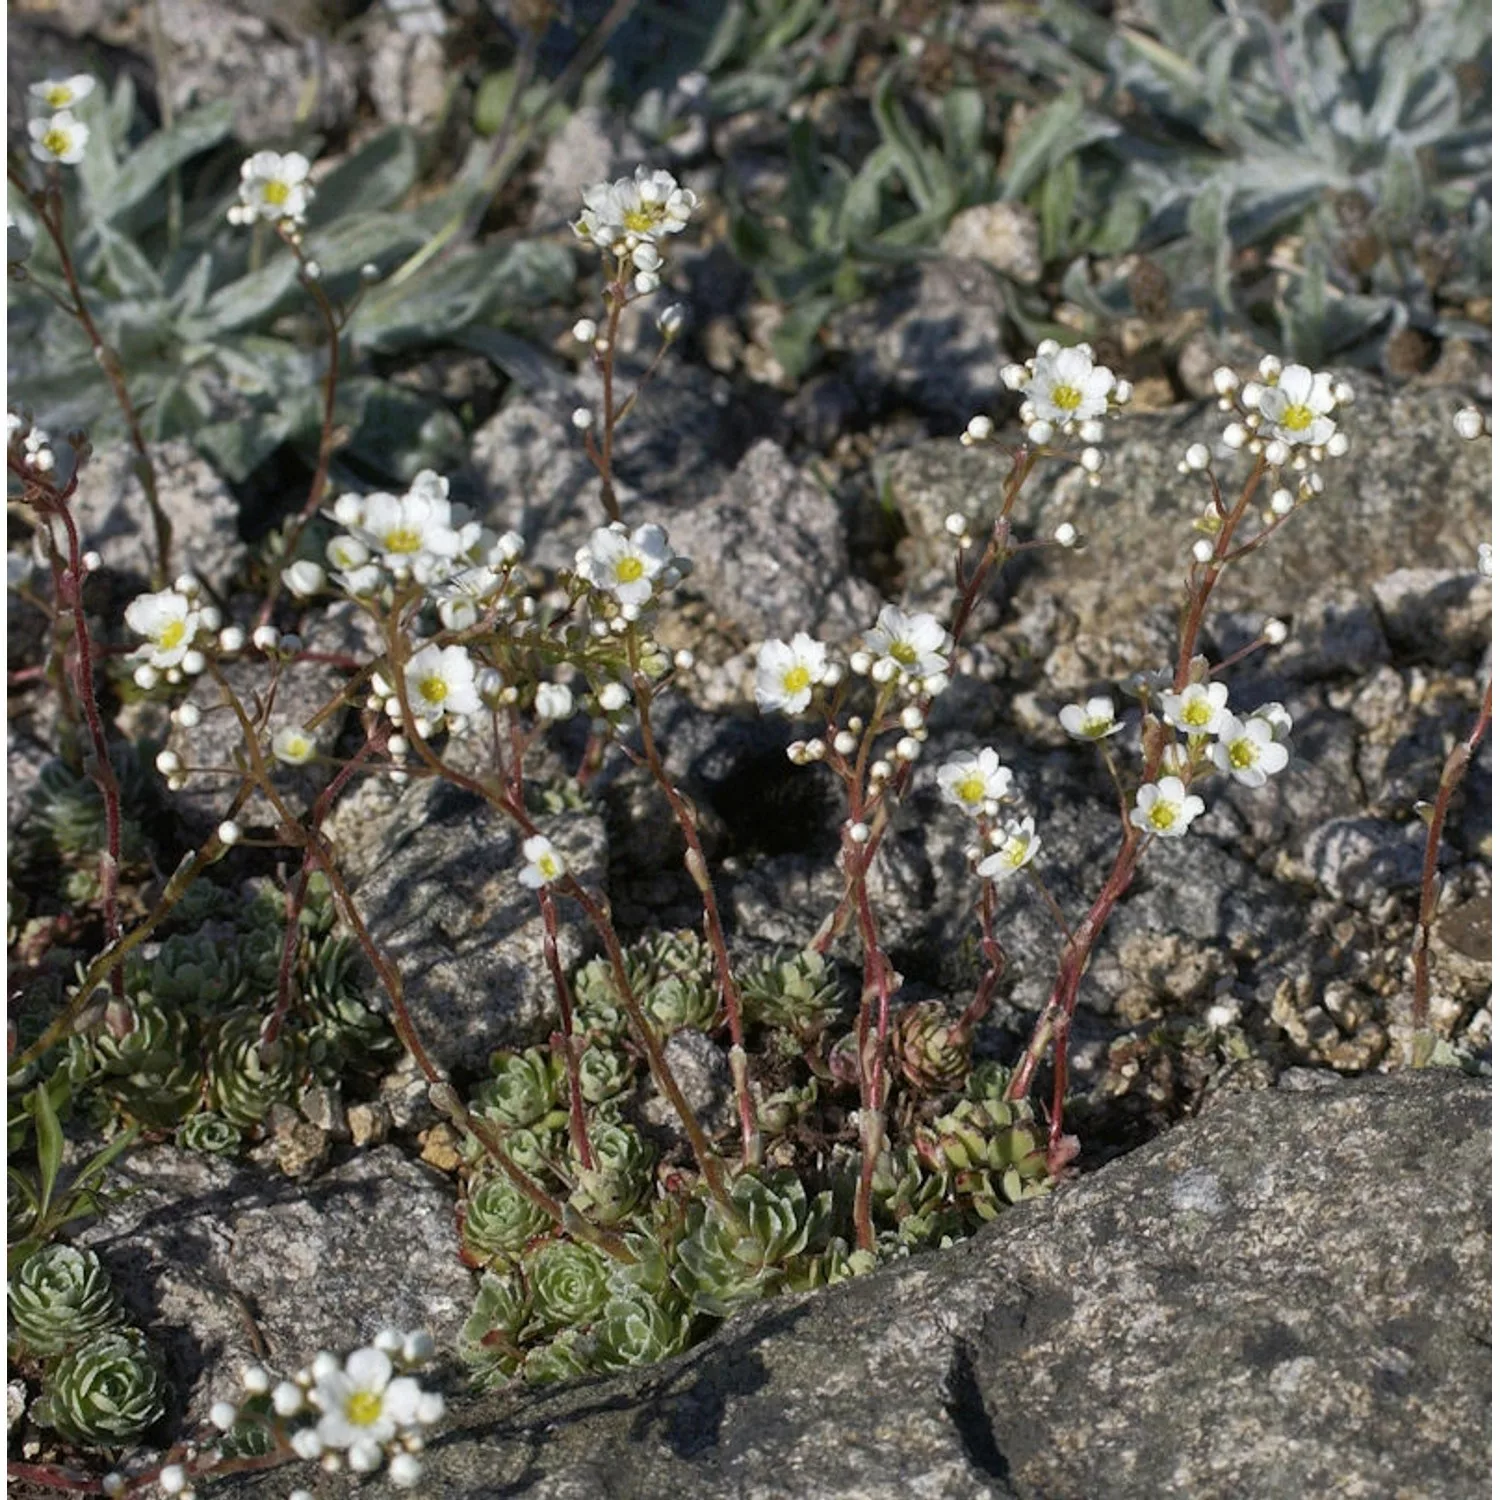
1243	755
796	680
971	788
629	570
1298	418
277	193
1197	713
1067	397
903	652
1014	853
364	1408
1163	815
433	689
549	867
640	220
59	95
403	539
57	142
172	634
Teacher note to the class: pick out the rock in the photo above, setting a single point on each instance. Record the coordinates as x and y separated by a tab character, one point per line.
409	78
433	873
113	519
932	341
769	552
203	1250
701	1067
1359	859
1276	1300
1435	614
588	148
1004	236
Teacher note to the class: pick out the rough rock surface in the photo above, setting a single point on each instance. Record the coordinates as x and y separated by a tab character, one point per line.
1278	1300
433	871
204	1251
769	551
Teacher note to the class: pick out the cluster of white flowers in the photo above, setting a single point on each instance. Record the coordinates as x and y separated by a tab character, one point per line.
976	783
1288	416
173	624
628	571
1063	394
274	187
631	218
60	137
425	537
31	446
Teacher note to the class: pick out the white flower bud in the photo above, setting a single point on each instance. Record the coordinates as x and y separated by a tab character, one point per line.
223	1414
187	583
256	1379
554	700
266	637
796	752
1039	433
955	524
1235	436
833	674
647	282
859	833
1092	460
209	617
669	322
172	1478
146	676
1013	377
1197	457
845	743
406	1471
1277	453
1123	391
1225	380
583	418
1338	445
113	1484
312	271
911	718
1066	534
303	578
882	770
230	832
935	684
1343	393
883	670
1270	367
860	663
1282	502
168	762
287	1398
684	660
980	429
194	663
613	696
306	1443
907	748
92	562
369	271
417	1348
1047	346
1274	631
1203	550
231	639
189	715
585	330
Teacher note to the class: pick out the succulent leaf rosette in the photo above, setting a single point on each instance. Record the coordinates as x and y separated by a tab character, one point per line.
621	1174
489	1343
60	1297
151	1073
603	1073
795	992
210	1133
638	1331
196	971
499	1220
523	1089
105	1392
245	1077
568	1284
563	1358
931	1052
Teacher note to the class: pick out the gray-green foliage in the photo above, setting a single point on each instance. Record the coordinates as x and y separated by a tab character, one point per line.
104	1392
65	824
499	1221
1346	132
59	1297
219	342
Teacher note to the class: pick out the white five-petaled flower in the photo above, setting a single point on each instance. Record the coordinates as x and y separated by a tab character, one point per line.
971	781
293	746
916	645
362	1407
1067	386
634	211
275	187
440	680
61	139
543	863
1094	720
785	675
1017	850
168	621
1296	407
1165	808
623	563
1198	708
1248	750
63	93
414	533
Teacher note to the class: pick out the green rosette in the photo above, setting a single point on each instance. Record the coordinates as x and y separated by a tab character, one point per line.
60	1297
104	1393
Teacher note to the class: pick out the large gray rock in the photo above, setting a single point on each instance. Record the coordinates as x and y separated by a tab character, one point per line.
768	551
434	875
1280	1299
209	1257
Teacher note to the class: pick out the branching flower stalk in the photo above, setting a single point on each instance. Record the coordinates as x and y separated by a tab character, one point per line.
47	203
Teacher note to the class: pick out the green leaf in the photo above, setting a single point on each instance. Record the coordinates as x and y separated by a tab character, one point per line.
1055	208
401	433
49	1145
524	363
247	300
195	132
361	238
237	448
378	175
135	278
1058	130
794	342
925	173
101	1161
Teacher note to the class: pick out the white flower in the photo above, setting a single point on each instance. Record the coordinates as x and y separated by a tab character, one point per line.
625	564
914	645
63	93
414	532
60	139
406	1471
613	696
1468	423
293	747
1094	720
274	187
361	1404
440	680
1067	386
168	621
1016	851
620	215
1164	807
554	700
1277	717
785	676
543	863
1248	750
303	578
970	781
1297	406
1198	708
1486	561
